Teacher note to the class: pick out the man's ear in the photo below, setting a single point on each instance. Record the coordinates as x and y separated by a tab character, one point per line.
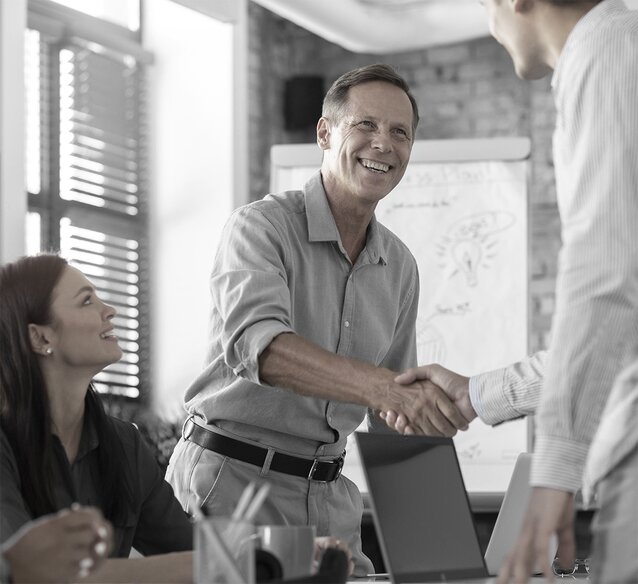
323	133
39	339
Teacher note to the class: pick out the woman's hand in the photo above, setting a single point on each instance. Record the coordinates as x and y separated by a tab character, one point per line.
324	543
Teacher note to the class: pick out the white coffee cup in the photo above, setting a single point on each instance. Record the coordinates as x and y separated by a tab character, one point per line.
292	545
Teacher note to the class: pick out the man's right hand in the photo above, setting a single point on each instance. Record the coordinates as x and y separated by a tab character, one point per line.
456	388
422	407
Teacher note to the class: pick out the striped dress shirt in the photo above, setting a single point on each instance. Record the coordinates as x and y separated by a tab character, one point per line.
595	325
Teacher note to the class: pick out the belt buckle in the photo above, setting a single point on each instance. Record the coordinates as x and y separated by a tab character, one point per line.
311	472
316	462
340	462
187	429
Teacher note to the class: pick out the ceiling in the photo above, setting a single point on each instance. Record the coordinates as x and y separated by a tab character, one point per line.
388	26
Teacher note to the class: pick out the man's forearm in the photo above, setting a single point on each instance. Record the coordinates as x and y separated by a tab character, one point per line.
292	362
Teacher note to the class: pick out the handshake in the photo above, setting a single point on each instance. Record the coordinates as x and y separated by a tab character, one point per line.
428	400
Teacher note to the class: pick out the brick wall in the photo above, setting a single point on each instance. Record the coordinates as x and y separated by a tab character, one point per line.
465	90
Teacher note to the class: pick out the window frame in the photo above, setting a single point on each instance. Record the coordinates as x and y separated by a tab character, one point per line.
61	27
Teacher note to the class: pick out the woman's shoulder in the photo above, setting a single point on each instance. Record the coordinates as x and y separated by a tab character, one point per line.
136	447
126	433
122	427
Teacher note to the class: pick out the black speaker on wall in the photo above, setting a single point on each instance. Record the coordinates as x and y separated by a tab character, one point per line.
303	98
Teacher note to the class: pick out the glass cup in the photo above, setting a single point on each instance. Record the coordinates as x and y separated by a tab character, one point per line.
224	551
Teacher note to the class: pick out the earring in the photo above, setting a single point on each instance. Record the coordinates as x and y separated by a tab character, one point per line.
48	350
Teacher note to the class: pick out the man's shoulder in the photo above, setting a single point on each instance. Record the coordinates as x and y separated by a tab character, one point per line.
601	42
275	205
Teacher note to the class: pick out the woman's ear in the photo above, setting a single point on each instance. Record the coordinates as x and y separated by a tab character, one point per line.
39	340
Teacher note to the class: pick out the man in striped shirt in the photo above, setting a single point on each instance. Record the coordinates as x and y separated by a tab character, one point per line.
592	49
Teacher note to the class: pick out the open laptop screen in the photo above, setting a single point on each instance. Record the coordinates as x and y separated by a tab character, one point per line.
421	510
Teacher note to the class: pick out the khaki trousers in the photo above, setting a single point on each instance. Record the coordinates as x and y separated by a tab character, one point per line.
204	478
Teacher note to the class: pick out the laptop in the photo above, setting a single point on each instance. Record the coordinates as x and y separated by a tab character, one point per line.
510	517
422	512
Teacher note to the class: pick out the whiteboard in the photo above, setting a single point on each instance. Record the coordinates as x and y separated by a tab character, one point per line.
462	209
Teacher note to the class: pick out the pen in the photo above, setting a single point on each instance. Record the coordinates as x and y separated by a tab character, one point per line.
257	502
224	553
244	499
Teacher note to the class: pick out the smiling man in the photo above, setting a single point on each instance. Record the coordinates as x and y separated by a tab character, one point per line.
313	311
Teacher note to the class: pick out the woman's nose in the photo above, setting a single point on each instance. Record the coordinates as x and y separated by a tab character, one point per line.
109	311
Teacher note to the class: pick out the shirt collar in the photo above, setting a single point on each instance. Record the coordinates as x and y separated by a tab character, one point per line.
321	223
584	27
322	226
89	440
376	243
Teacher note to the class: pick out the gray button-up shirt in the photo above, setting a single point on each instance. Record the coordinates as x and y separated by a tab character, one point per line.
281	268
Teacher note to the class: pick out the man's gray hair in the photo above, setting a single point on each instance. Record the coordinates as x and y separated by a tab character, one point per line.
336	100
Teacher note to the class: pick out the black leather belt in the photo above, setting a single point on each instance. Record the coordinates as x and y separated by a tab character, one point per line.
312	469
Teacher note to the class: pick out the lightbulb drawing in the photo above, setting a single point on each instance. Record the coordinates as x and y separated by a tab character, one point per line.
467	254
468	244
430	342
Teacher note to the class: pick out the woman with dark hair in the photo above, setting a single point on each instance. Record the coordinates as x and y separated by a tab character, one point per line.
57	445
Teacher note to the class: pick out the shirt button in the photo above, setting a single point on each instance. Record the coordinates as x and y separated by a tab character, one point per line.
346	324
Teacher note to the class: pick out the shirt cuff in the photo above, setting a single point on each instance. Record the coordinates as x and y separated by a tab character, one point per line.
558	463
253	342
475	397
489	397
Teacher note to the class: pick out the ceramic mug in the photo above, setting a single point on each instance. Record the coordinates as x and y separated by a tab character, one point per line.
292	545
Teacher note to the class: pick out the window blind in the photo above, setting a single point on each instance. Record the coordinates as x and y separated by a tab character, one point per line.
86	167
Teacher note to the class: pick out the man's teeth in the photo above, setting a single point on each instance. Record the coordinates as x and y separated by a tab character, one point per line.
375	165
